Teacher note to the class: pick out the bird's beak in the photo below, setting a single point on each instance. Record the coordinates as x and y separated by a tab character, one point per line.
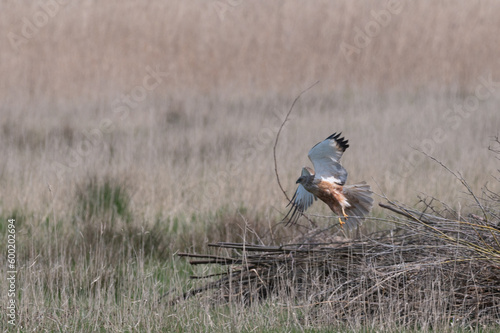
298	180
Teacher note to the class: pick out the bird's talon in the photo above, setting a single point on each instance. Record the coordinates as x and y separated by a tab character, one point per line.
343	212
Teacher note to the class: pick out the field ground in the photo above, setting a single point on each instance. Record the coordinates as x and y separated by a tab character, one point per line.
130	132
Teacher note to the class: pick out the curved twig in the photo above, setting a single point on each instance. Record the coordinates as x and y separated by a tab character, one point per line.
278	136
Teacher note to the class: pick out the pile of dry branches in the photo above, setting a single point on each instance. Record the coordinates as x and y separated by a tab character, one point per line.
430	269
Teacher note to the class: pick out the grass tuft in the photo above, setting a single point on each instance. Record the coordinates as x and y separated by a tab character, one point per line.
106	199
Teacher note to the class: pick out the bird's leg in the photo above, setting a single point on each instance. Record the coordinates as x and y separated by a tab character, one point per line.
343	212
345	215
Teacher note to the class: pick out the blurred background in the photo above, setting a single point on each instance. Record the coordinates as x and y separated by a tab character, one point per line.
181	100
131	131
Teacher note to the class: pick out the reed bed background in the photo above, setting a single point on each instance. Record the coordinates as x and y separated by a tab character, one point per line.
131	131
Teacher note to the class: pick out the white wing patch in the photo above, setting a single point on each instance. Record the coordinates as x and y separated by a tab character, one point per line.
325	157
301	200
331	179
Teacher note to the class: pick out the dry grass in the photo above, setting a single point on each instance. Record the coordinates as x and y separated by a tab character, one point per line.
436	270
106	193
89	51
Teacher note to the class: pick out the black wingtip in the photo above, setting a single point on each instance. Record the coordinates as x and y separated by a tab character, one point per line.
291	219
343	143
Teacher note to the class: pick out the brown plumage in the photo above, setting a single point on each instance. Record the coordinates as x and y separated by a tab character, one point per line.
352	202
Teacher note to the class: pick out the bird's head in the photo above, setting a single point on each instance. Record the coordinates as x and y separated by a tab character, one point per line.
306	173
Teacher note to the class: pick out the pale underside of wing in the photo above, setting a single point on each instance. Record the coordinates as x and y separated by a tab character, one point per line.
301	200
325	156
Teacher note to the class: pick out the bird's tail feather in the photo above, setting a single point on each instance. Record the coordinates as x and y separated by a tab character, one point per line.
360	198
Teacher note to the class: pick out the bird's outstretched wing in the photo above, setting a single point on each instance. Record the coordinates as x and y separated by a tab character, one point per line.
301	200
325	157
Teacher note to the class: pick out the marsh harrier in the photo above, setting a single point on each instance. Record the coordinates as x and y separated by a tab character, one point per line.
327	182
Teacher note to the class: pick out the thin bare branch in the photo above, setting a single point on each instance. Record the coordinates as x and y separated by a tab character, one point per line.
278	136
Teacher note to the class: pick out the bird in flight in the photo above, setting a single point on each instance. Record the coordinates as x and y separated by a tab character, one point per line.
327	182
